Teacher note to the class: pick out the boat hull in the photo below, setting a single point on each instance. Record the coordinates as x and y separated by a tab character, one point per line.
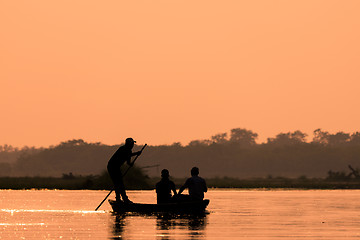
177	207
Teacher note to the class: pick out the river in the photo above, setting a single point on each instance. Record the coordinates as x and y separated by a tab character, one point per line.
232	214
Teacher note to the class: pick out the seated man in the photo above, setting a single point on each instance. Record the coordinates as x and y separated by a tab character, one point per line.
164	188
196	185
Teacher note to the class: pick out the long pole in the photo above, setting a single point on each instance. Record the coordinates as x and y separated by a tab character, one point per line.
123	176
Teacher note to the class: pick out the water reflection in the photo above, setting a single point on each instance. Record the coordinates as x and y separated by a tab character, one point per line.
235	214
167	226
119	224
194	225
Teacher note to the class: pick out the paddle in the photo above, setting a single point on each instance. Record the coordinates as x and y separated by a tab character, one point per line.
122	176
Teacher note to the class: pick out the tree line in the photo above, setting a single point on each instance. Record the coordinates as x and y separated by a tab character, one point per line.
234	154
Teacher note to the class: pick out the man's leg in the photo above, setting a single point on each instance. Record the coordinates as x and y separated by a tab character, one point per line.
115	179
122	190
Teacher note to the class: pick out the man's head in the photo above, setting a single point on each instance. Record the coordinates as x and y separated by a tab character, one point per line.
129	142
194	171
165	173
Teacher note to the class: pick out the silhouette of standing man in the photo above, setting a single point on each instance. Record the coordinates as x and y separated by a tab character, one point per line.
122	155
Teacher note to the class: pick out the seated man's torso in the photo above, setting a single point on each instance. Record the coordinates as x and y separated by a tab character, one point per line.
196	187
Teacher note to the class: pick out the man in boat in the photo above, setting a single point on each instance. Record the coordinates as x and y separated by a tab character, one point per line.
196	185
164	188
122	155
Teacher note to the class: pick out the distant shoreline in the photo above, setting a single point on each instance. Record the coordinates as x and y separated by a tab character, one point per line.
91	183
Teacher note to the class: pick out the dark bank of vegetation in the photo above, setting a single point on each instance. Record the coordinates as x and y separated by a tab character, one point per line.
280	182
135	180
223	159
334	180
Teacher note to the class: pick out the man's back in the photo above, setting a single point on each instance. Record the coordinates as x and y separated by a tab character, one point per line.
197	187
120	156
163	190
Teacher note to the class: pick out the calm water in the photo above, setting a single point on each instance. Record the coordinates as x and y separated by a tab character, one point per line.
234	214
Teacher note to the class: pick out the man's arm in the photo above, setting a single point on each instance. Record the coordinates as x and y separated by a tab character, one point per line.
184	186
157	187
173	188
181	189
136	153
133	154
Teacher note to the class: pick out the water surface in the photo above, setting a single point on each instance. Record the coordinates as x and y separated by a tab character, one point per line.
233	214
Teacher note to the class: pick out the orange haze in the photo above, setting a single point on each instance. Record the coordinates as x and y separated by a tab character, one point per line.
167	71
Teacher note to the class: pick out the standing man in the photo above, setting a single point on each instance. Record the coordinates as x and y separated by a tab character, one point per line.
196	185
122	155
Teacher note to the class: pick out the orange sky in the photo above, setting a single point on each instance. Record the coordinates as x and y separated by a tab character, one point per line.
166	71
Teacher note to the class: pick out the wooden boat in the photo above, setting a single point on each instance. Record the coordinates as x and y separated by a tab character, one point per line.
175	207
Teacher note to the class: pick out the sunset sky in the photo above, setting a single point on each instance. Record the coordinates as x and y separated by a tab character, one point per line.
176	71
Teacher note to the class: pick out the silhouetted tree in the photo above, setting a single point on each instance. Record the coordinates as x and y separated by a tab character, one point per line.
320	136
355	138
289	138
72	156
324	137
196	143
220	138
176	144
338	138
8	148
243	137
237	155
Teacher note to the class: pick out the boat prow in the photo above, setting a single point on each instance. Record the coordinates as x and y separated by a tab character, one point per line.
174	207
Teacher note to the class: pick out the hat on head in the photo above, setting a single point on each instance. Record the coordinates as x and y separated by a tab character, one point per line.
130	140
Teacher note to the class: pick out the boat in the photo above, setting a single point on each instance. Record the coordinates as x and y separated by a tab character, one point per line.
174	207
